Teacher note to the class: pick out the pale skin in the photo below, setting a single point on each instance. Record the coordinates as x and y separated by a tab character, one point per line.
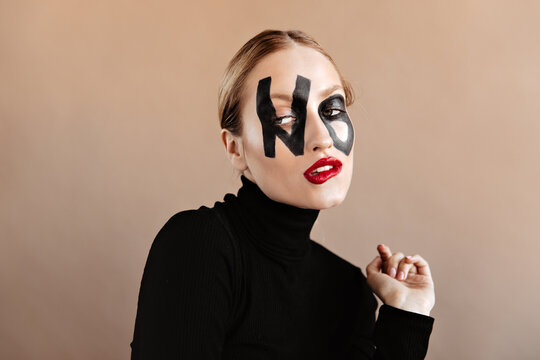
400	281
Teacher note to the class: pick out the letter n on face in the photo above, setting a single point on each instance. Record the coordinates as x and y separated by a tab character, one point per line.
267	115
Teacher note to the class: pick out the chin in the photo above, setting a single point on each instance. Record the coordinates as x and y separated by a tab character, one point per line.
330	203
324	201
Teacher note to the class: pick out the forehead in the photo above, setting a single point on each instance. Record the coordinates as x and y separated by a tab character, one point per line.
284	65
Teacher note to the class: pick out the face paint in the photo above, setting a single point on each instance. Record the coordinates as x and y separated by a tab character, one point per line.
267	115
333	109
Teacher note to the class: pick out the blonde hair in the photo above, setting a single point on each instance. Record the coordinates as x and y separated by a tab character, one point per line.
249	55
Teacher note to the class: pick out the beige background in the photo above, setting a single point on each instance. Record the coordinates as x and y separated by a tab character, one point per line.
108	127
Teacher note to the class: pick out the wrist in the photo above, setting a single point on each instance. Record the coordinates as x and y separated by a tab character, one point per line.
418	307
423	310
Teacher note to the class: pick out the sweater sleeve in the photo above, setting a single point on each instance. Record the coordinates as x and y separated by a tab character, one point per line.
185	296
395	335
401	334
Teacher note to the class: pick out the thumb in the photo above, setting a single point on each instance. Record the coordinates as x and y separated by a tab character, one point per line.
374	266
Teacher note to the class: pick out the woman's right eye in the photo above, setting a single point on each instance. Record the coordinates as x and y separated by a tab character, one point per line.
332	112
284	120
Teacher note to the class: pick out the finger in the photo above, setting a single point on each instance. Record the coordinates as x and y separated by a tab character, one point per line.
393	262
404	267
374	266
420	264
384	252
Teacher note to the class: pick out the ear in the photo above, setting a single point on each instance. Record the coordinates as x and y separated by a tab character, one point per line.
234	150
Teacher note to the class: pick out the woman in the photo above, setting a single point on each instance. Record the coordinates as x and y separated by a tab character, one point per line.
243	280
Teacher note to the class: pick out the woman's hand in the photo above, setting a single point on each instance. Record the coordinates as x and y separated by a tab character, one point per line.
402	281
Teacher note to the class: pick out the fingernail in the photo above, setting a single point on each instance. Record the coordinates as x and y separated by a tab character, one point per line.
401	275
392	272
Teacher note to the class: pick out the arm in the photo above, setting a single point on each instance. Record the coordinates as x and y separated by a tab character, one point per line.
185	294
395	334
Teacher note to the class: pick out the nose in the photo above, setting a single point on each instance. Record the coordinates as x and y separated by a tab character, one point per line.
316	135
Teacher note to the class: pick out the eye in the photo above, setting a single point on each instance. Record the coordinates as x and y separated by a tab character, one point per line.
284	120
331	112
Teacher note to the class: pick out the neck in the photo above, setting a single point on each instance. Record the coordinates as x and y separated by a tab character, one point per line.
279	230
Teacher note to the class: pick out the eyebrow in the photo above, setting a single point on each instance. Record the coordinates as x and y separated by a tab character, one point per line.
326	92
323	93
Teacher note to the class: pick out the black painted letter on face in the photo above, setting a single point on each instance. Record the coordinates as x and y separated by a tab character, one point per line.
333	109
267	115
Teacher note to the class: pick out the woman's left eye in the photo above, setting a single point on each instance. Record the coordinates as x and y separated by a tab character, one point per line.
284	120
331	112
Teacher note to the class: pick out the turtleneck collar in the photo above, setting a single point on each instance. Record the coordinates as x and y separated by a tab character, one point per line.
278	230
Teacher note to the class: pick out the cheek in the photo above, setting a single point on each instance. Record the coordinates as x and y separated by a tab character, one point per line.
253	140
274	175
251	134
341	129
254	153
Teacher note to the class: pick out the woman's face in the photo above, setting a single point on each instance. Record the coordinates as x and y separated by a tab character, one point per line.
297	138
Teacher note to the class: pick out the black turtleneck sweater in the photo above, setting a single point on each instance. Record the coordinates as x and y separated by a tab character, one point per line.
243	280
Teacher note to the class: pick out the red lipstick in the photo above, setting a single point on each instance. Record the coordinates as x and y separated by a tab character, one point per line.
322	170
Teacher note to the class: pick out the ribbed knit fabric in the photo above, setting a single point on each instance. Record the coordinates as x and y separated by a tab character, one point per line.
243	280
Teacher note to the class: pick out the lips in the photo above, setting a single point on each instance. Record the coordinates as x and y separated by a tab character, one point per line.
322	170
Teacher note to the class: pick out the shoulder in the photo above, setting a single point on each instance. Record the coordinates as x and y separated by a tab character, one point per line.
189	219
191	235
201	224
